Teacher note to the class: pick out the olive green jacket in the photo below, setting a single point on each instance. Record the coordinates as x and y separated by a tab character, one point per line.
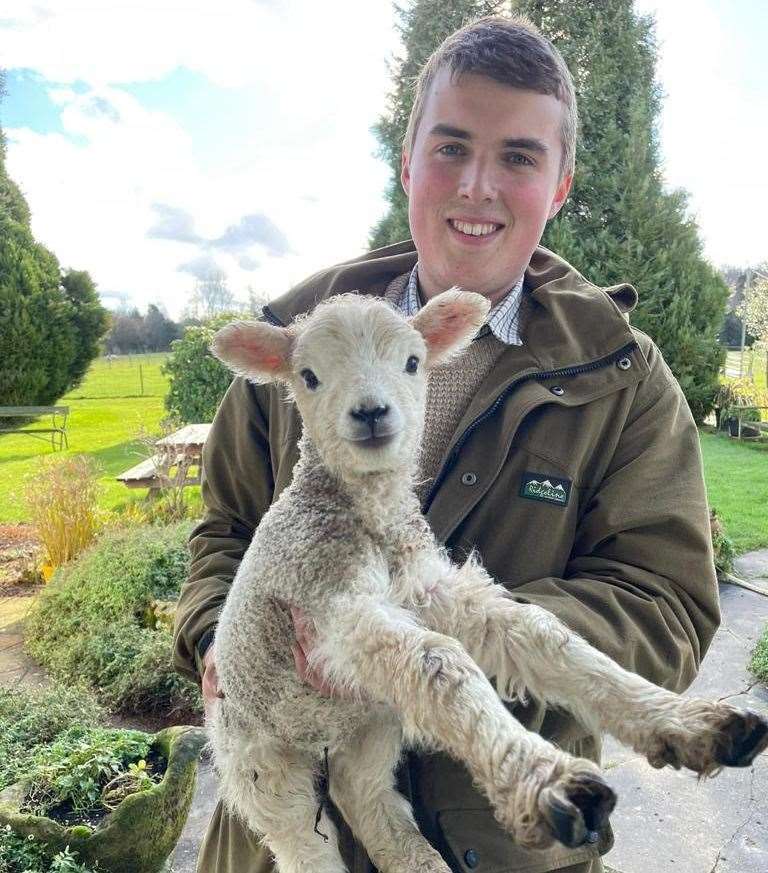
620	551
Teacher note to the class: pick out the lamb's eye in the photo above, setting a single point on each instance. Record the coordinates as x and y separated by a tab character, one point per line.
412	364
310	379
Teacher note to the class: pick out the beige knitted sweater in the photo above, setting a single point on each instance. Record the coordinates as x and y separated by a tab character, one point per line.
450	387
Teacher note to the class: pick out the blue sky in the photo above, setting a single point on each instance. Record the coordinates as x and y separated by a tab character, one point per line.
154	142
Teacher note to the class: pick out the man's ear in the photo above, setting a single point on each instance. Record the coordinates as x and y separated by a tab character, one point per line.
561	195
259	351
405	172
449	323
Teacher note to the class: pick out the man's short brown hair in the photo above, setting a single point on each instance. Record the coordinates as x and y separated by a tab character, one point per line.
509	50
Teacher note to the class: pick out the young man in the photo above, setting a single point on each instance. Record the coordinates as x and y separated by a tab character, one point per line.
559	445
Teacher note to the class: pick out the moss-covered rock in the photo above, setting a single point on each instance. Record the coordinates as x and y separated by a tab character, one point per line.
140	834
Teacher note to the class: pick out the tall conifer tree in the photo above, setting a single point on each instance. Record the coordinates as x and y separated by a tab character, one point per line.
619	223
49	324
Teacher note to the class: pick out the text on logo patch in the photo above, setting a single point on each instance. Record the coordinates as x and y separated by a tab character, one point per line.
550	489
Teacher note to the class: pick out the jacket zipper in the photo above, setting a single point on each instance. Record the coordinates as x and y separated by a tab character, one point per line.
271	317
540	376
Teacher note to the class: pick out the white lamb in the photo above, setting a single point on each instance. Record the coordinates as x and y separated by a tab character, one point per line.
410	636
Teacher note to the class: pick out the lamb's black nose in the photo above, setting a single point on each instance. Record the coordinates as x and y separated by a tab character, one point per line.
369	414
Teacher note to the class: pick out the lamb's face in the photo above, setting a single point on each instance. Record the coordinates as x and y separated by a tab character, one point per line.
357	370
359	380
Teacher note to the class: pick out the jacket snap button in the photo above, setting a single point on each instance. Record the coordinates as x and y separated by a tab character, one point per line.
470	858
557	390
469	479
624	363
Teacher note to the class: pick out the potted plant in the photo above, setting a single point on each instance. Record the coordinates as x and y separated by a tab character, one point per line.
141	814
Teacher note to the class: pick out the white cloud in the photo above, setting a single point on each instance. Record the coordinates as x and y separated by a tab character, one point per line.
308	170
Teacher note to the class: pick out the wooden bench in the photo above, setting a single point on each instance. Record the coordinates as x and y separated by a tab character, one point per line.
57	432
175	465
761	426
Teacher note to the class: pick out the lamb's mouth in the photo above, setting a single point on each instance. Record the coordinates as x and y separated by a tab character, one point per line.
376	441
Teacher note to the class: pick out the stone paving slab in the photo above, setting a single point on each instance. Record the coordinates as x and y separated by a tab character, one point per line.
753	568
668	821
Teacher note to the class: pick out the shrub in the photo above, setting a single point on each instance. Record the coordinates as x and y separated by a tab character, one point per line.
759	663
32	719
77	766
735	394
26	854
198	381
62	503
722	545
89	622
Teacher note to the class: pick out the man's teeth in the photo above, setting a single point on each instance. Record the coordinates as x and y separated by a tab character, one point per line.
474	229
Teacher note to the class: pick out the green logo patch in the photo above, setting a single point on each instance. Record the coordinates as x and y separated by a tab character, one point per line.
550	489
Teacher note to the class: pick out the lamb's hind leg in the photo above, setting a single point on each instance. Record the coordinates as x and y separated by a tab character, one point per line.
444	701
362	787
272	789
527	647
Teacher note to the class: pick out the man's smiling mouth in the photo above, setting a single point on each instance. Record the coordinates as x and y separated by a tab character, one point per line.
474	228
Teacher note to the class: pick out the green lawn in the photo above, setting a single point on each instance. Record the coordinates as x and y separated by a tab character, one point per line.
737	485
107	416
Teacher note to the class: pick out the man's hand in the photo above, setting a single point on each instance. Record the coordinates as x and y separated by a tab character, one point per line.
210	684
304	630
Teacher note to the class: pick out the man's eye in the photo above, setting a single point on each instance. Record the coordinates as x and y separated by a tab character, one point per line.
451	150
518	159
310	380
412	364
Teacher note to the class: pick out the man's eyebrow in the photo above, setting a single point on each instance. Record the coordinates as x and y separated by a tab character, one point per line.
528	143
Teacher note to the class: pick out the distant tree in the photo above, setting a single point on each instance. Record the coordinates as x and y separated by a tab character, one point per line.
159	330
211	296
754	311
126	335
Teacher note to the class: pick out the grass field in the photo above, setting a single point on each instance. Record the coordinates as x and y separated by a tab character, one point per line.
108	414
737	485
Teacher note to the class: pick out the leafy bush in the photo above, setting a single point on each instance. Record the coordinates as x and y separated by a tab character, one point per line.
89	622
722	545
77	766
735	394
61	499
31	719
759	663
26	855
198	381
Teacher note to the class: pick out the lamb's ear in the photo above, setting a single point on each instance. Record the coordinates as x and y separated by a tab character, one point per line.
254	349
449	322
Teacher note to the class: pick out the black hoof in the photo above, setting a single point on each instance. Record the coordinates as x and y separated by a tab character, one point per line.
745	736
578	811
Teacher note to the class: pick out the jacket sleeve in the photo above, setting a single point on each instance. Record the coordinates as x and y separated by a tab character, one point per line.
640	584
237	488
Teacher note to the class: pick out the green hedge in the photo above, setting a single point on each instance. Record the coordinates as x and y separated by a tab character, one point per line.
89	623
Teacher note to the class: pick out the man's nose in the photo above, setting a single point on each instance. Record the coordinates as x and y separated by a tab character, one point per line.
477	183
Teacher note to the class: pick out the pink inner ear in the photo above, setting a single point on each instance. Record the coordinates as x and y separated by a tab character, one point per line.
272	362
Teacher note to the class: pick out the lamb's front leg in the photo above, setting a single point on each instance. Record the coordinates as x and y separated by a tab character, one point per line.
444	701
527	647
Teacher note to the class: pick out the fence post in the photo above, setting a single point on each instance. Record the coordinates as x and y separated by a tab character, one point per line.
141	380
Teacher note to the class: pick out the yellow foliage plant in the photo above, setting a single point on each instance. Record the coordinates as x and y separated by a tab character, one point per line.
62	501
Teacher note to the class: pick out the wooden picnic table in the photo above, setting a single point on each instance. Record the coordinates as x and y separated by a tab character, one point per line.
172	464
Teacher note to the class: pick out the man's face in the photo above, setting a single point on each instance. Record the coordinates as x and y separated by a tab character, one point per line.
485	154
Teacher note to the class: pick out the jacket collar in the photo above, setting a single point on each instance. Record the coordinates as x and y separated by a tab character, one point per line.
568	322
